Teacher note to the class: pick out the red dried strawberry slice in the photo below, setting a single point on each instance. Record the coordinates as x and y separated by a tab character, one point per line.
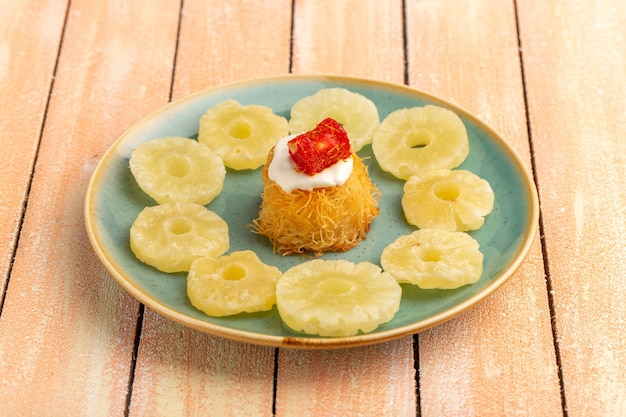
320	148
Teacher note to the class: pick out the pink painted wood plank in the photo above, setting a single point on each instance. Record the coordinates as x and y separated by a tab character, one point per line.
30	33
179	371
575	63
363	39
377	380
498	358
71	327
224	41
182	372
360	38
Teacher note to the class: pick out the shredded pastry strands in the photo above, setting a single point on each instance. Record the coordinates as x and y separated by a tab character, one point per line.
324	219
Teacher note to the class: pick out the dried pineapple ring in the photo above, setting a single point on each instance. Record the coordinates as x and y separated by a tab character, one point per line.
410	141
241	135
171	236
232	284
175	169
336	298
434	258
454	200
357	114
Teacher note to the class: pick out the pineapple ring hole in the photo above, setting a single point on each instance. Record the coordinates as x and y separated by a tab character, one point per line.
177	166
431	254
233	273
240	129
419	138
335	286
179	225
447	190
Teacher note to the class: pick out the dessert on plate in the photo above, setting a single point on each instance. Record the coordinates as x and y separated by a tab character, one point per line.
317	194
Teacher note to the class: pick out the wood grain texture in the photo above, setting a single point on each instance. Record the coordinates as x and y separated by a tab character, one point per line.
183	372
375	380
469	56
351	38
575	69
67	330
224	41
30	33
361	38
71	328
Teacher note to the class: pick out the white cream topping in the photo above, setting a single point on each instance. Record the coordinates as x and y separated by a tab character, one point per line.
282	170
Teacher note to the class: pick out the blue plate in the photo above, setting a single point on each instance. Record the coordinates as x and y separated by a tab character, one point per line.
113	201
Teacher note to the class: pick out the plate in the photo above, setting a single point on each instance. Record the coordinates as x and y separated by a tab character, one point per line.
113	200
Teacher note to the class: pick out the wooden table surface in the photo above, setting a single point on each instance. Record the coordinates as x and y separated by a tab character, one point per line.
549	75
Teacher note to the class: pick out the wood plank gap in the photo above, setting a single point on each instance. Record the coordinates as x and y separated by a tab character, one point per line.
291	38
542	236
133	359
416	365
140	314
405	44
406	80
16	242
275	389
178	28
